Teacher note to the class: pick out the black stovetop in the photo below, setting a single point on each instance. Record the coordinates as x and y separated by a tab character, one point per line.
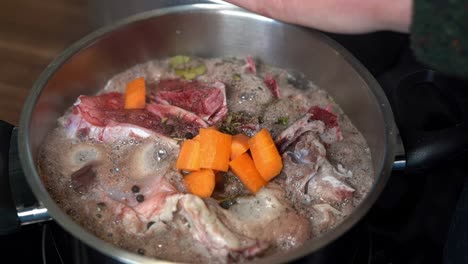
408	224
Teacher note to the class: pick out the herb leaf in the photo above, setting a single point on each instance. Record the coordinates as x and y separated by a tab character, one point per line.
236	77
283	120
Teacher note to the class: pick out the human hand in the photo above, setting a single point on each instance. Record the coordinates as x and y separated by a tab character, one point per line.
338	16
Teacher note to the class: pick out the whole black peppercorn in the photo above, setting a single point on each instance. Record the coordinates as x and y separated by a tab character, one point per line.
140	198
135	189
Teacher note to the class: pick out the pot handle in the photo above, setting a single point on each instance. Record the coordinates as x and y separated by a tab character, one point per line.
9	221
18	205
431	115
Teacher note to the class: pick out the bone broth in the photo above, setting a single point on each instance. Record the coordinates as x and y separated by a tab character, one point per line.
113	168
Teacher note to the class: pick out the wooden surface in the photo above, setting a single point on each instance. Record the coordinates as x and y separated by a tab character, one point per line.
32	33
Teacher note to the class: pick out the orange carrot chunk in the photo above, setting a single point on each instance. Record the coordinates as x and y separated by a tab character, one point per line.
197	137
244	168
200	183
189	156
239	145
215	149
135	94
265	155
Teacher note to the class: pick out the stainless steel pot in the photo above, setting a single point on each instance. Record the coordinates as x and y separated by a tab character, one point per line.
206	30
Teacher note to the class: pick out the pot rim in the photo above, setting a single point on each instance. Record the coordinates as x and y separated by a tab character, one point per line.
382	174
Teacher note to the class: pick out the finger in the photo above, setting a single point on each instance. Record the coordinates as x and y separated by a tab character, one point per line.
269	8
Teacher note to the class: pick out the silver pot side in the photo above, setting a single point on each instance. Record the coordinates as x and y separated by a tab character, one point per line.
206	30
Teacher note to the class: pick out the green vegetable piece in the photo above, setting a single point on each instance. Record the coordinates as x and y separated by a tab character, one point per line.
236	77
179	72
178	61
199	70
191	73
229	120
185	74
282	120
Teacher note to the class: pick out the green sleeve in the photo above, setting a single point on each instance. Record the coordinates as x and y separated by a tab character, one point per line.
439	35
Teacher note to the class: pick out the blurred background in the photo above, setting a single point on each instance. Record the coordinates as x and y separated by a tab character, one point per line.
32	33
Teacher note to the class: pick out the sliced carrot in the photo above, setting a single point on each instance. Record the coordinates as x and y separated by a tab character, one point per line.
239	145
197	137
189	156
200	183
244	168
215	149
265	155
135	94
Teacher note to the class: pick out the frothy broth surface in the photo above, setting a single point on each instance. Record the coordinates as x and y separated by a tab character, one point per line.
112	170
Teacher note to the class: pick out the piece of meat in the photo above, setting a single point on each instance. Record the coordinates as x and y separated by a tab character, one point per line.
327	186
221	113
268	217
160	201
208	101
209	230
305	183
104	109
82	179
318	120
171	85
309	150
328	118
310	176
332	132
104	118
76	126
324	216
272	84
178	121
163	203
295	130
250	65
301	164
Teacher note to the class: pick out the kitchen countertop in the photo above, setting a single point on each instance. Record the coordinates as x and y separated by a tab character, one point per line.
32	33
